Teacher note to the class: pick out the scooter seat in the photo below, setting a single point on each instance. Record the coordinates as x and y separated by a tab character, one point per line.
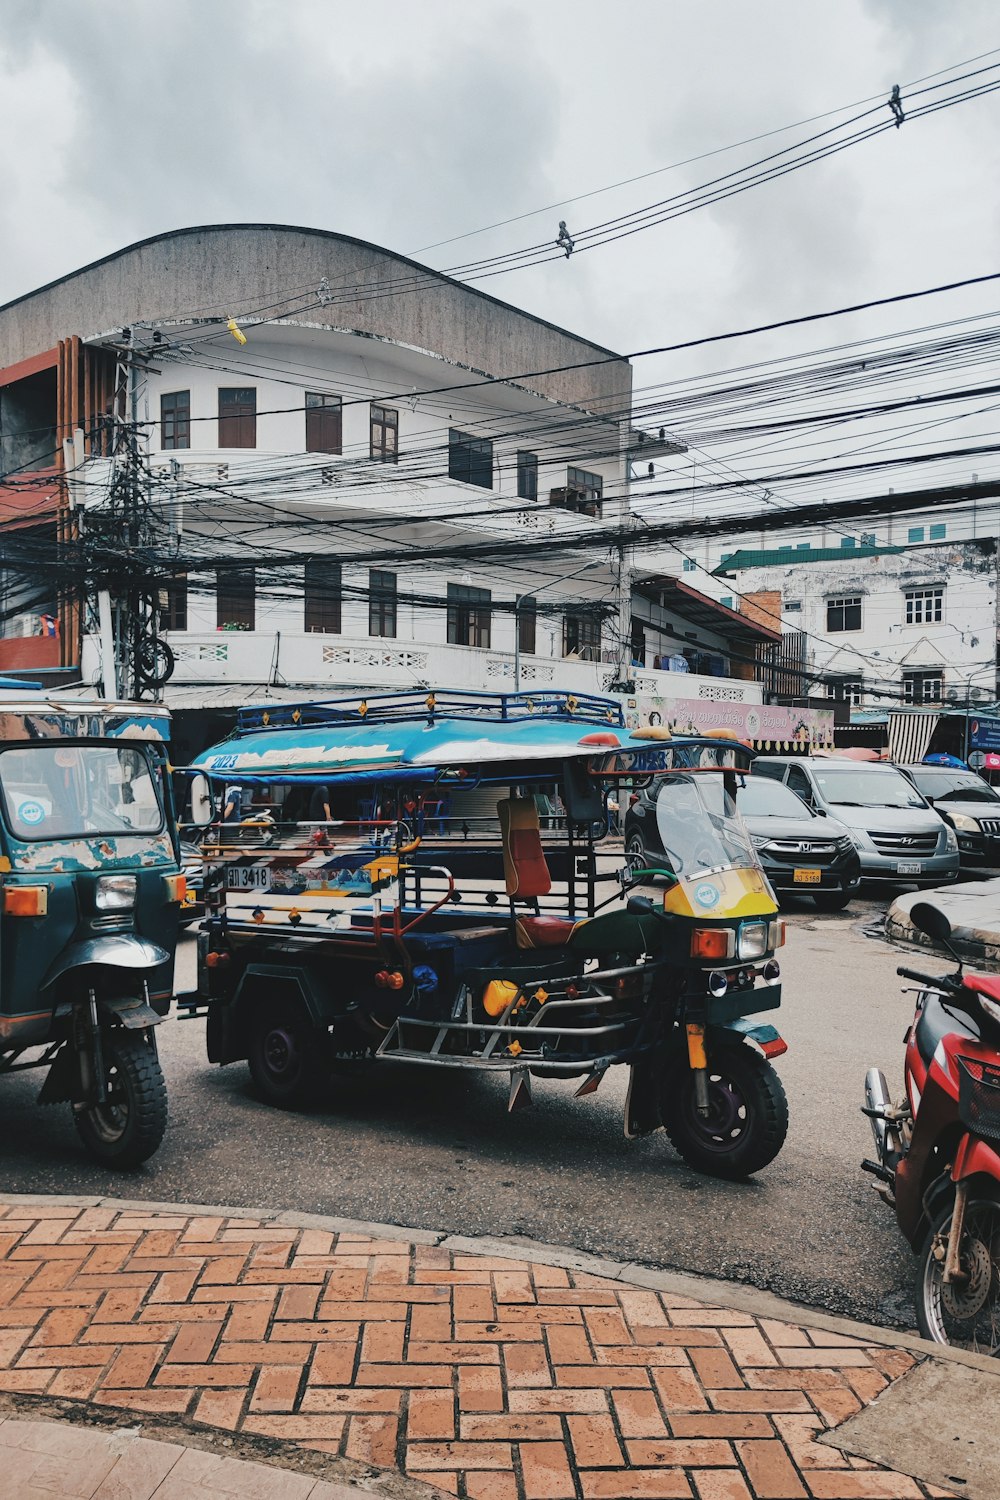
983	984
935	1023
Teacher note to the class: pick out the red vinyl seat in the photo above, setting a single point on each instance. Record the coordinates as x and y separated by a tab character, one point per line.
526	873
543	932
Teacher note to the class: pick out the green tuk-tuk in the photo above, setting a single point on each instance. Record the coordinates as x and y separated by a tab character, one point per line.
90	893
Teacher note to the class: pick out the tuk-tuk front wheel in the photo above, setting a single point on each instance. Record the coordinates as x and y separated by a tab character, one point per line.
747	1120
285	1053
128	1126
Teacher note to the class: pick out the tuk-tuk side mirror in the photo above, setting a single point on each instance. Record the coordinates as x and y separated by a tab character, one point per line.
202	805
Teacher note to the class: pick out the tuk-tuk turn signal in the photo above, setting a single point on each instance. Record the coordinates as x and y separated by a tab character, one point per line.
176	887
26	900
713	942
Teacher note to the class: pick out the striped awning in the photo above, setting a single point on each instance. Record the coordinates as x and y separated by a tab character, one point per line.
910	735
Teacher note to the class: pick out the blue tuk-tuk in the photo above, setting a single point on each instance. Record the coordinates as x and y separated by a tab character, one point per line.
439	879
89	899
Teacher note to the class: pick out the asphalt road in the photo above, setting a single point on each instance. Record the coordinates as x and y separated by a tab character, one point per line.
425	1147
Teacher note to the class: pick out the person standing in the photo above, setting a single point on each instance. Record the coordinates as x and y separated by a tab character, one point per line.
319	805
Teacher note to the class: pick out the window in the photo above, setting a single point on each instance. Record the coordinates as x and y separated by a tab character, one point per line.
847	542
527	625
385	434
868	539
174	603
915	534
381	603
799	783
324	423
793	606
527	476
175	420
237	417
235	599
689	565
803	546
468	616
924	606
938	532
470	459
589	486
582	634
845	690
923	687
323	597
844	613
727	601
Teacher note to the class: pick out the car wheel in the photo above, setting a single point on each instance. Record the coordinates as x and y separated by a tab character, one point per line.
831	900
635	853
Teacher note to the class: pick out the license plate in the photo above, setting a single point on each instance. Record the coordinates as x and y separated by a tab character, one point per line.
909	867
248	878
807	877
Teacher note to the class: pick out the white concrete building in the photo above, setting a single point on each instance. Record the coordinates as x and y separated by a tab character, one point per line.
356	475
878	627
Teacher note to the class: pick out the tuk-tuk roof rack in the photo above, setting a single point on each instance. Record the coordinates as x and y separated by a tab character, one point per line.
387	708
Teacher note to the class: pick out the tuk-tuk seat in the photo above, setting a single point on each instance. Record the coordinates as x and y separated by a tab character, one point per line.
543	932
526	873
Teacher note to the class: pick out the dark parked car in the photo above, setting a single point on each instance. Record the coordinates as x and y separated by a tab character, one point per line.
801	851
966	802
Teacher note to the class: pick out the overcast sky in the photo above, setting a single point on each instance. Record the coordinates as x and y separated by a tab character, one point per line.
408	123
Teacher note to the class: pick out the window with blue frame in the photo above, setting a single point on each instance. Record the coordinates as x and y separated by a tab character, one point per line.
689	565
915	534
847	541
938	533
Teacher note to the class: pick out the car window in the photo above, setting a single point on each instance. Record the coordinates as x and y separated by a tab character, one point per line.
799	783
866	786
775	769
769	799
953	786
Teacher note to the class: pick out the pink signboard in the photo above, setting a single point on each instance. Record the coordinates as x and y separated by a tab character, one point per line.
768	728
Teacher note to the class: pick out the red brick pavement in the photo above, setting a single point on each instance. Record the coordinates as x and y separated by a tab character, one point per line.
491	1379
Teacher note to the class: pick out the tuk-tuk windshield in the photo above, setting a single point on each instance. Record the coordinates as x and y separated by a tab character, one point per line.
59	791
699	826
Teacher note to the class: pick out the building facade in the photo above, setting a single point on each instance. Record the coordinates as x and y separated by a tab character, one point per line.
343	472
878	627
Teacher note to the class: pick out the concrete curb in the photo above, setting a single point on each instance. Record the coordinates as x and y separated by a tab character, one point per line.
972	910
707	1289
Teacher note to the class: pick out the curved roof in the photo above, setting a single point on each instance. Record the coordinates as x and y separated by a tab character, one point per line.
205	271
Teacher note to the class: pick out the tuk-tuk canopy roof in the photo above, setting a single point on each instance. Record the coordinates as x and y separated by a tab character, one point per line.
51	717
419	737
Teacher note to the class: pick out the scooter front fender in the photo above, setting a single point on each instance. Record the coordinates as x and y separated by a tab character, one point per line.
973	1158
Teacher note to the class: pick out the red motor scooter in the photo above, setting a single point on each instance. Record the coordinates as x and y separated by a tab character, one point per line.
939	1147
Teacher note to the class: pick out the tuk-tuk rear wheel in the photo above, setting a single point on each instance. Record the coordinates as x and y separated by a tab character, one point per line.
126	1129
285	1054
748	1115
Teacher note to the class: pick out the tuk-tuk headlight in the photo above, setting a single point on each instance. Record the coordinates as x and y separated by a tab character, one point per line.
752	940
116	892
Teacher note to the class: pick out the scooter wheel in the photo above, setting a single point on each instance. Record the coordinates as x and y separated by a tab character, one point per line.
964	1313
748	1113
126	1129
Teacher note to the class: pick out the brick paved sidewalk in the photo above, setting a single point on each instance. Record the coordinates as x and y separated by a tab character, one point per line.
493	1379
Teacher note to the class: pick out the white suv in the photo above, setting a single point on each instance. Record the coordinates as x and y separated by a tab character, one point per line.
898	835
